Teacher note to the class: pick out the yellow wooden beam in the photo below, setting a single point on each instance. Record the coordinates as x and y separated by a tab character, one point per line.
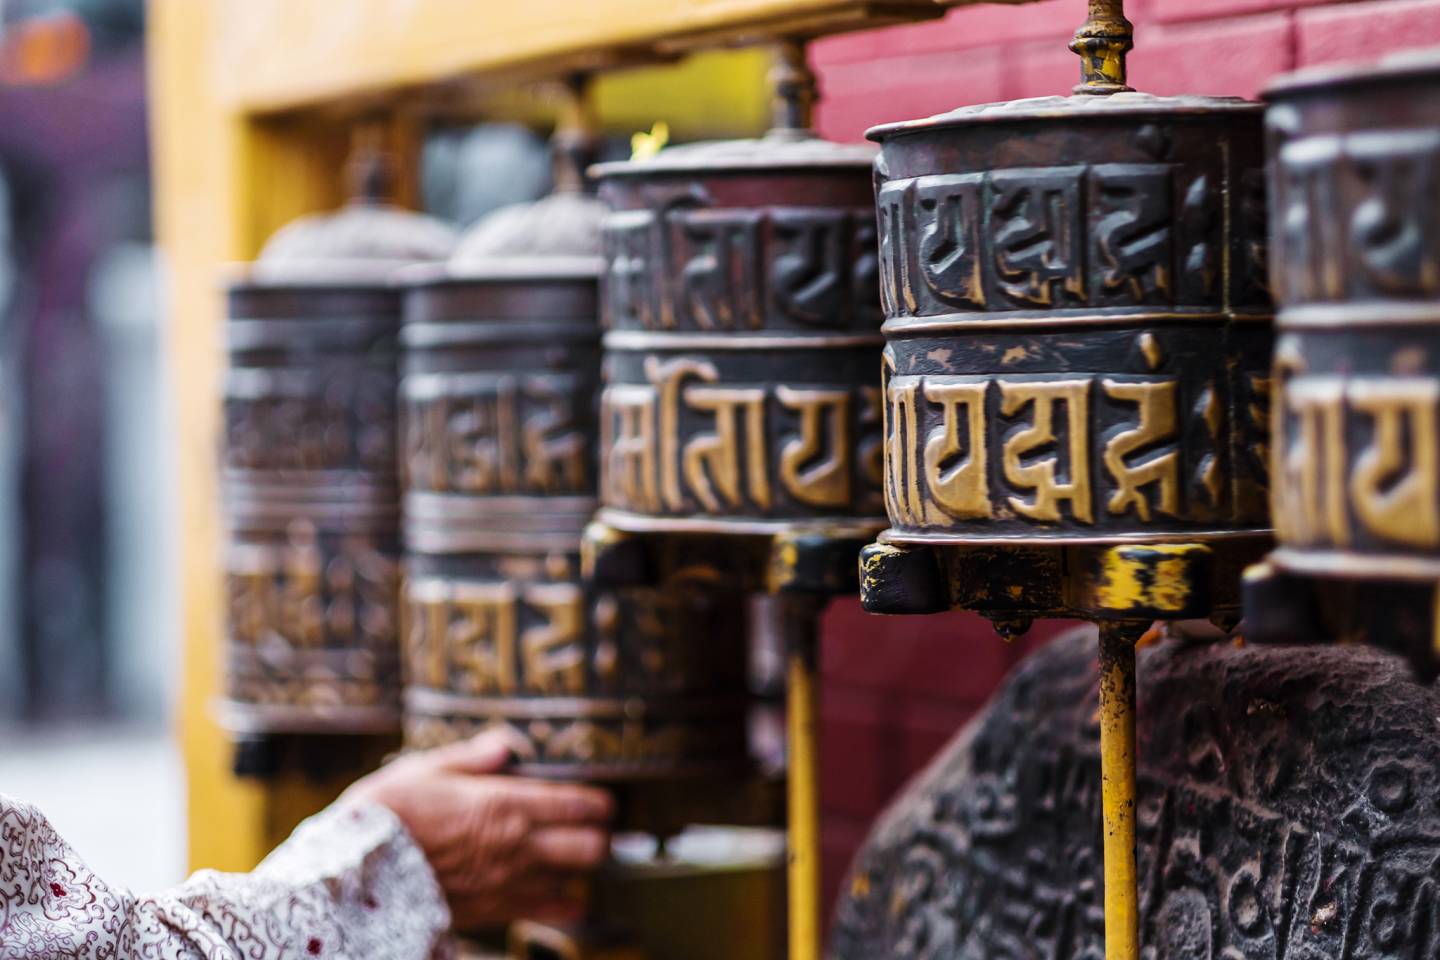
223	184
225	179
273	55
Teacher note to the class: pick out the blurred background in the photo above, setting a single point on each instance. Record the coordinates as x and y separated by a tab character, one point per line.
89	613
91	419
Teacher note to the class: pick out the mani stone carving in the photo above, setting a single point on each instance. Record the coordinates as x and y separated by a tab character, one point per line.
499	438
1286	810
311	500
1355	232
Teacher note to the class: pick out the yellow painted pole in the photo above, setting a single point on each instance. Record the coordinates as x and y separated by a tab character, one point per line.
1117	772
802	695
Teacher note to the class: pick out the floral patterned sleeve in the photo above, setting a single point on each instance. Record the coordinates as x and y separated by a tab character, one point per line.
349	883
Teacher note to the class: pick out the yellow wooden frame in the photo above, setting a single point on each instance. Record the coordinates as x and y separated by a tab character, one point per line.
251	103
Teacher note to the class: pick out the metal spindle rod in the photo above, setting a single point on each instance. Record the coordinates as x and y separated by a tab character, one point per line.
1102	44
1117	788
799	623
796	89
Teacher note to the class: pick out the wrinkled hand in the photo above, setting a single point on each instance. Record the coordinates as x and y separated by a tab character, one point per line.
501	847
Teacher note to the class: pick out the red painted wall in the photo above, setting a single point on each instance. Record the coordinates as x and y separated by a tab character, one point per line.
896	688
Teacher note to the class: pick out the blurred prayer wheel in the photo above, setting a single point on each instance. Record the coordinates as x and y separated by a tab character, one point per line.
740	418
501	377
312	505
1076	375
1354	154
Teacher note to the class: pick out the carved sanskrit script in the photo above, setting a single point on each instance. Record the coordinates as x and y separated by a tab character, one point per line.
740	269
684	440
311	595
485	433
1047	238
1264	831
1347	223
1047	450
279	420
1357	459
467	637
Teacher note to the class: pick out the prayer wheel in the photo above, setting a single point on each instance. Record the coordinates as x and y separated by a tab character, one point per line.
1076	374
1353	157
740	417
309	466
498	419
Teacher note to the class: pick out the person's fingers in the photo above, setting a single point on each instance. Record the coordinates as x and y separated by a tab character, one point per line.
487	752
569	847
559	803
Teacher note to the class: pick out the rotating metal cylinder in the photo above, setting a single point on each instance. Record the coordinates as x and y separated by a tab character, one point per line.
740	311
1353	156
311	500
498	420
1076	378
1077	357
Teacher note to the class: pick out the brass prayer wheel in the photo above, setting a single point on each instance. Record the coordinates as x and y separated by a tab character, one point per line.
309	466
1353	155
498	420
741	323
740	417
1076	376
1077	353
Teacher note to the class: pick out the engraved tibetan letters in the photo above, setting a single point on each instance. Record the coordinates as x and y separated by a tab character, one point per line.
1076	349
741	342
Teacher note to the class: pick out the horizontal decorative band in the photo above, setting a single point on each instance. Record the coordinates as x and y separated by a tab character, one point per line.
1347	565
421	539
1359	315
252	718
447	507
279	518
544	330
938	539
655	340
436	702
627	522
1057	320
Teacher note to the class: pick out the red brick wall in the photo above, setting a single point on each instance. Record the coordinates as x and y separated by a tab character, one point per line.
896	688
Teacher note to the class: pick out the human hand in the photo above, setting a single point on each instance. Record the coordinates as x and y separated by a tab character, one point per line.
501	847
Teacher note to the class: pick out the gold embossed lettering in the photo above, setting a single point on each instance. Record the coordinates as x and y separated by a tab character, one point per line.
1042	476
826	482
960	488
1156	407
712	460
1394	485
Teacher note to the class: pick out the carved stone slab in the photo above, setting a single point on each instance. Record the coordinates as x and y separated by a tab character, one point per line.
1287	811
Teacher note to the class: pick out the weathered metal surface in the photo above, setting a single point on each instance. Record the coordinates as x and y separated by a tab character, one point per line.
312	506
741	320
1284	812
312	565
1077	331
501	379
1357	496
1077	339
1076	378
